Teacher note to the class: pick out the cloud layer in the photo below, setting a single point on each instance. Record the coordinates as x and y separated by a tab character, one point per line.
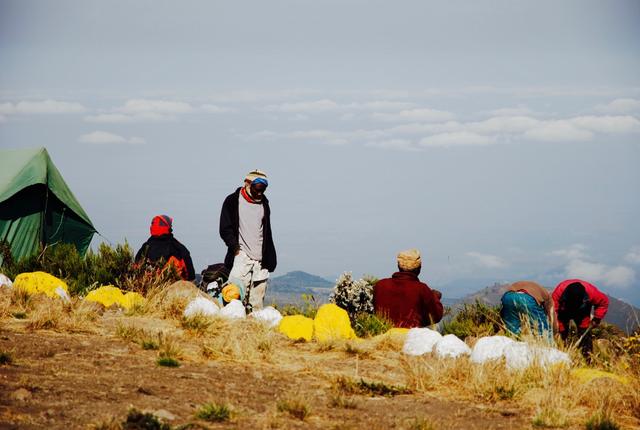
580	265
106	138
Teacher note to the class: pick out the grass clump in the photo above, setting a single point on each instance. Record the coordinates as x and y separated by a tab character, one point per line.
243	340
369	325
128	332
166	361
476	319
214	412
137	420
600	421
340	401
422	424
6	358
295	407
169	352
550	417
197	324
372	388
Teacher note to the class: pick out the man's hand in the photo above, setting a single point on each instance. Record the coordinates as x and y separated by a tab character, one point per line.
437	293
595	322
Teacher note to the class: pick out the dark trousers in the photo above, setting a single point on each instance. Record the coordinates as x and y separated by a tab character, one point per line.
584	334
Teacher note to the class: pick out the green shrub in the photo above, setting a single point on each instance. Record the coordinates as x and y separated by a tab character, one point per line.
214	412
369	325
137	420
109	266
354	296
600	421
307	307
106	266
6	358
474	319
167	362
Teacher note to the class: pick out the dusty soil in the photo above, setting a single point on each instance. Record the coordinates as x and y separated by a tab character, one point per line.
80	380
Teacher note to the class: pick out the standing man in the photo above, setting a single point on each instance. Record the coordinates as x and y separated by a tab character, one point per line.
405	300
574	300
245	227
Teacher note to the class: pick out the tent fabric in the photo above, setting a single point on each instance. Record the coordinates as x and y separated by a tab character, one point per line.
36	205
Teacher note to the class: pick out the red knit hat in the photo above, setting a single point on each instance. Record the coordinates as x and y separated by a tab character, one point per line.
161	224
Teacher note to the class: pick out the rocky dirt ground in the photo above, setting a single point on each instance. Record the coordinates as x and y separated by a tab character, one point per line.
92	379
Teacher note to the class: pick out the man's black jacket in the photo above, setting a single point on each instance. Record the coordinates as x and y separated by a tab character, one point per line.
162	248
230	225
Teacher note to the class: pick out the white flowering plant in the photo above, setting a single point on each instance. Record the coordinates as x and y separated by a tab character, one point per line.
354	296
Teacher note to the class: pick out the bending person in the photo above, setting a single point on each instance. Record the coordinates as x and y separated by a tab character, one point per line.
574	300
531	301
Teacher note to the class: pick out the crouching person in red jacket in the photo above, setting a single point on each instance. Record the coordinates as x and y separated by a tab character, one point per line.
405	300
574	300
163	247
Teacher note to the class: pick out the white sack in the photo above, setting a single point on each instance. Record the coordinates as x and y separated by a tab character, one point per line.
520	355
420	341
451	346
234	309
490	348
268	315
5	281
62	293
201	306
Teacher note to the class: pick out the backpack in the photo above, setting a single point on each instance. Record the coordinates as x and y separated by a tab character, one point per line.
213	279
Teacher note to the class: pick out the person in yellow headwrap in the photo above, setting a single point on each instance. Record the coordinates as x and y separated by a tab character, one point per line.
404	299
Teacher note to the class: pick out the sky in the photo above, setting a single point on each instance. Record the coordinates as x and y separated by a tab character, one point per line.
500	138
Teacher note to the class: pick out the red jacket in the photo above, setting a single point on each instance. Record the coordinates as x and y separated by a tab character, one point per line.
598	300
406	301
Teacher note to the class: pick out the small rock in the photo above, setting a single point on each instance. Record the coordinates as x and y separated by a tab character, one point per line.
21	395
164	414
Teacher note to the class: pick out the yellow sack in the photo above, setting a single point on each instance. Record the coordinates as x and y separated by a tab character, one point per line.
296	327
132	299
42	282
231	292
108	295
586	375
332	323
397	333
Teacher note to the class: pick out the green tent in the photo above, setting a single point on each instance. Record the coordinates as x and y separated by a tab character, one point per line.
36	205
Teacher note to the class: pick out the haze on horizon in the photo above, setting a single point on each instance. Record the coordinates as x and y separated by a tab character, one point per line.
500	138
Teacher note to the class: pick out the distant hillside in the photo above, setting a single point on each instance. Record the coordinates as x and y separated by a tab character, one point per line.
288	288
620	313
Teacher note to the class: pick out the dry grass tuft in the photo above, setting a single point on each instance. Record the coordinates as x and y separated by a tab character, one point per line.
47	313
169	352
242	340
346	385
5	302
338	400
197	325
295	406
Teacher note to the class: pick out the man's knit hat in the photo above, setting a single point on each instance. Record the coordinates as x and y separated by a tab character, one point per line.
161	224
409	260
254	174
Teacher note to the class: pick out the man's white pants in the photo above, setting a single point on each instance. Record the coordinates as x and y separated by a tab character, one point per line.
251	271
